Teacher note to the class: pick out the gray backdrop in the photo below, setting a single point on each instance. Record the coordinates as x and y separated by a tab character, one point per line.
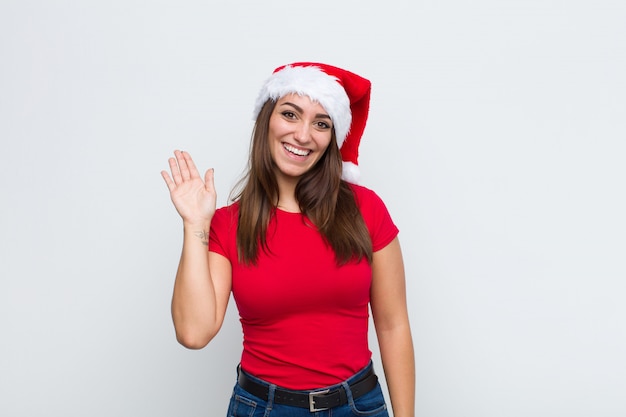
496	138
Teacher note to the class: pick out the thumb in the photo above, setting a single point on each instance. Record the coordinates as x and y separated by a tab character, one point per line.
208	180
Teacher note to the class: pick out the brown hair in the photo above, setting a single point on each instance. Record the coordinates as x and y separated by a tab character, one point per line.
323	197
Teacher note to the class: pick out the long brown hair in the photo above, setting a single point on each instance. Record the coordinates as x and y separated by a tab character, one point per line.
323	196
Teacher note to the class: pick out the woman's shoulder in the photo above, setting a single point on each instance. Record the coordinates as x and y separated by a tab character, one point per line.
229	208
376	216
227	214
364	195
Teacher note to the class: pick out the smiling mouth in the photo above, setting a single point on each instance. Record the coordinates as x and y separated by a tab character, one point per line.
296	151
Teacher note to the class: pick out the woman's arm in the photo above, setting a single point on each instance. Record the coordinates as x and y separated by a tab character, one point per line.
203	280
389	311
201	290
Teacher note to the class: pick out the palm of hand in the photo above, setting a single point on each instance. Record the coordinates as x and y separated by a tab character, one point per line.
193	197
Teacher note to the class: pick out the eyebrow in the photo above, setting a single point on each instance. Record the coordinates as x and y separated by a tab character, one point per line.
299	109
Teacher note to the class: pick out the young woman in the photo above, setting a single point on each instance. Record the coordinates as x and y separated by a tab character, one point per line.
306	253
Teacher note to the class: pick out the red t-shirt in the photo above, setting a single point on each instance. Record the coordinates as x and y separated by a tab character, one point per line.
304	319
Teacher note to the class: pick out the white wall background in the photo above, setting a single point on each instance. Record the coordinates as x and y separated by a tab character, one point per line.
496	137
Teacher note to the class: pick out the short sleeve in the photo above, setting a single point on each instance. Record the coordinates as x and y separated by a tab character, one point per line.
381	227
223	232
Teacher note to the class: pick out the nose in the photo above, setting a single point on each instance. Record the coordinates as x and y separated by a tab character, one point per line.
302	132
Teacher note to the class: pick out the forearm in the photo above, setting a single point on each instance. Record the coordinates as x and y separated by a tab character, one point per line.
396	348
194	299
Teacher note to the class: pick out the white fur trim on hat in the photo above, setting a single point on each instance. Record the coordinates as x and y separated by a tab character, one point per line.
314	83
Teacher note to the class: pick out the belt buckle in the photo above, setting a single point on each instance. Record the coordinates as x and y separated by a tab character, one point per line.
312	395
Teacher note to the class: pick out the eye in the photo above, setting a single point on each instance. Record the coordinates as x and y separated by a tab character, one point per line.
289	114
323	125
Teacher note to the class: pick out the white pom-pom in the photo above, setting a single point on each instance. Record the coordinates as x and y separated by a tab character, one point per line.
350	172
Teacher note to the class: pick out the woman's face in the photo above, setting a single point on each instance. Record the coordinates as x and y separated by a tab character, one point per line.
299	133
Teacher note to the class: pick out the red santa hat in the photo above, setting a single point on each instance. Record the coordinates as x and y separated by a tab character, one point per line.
343	94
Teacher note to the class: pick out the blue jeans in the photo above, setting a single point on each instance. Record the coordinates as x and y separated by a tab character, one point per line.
244	404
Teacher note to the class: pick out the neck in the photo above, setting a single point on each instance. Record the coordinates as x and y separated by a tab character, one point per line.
288	202
287	195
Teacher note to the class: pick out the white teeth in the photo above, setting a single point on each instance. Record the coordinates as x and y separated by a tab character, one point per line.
296	151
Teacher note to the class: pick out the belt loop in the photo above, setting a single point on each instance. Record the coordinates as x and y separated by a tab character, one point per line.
270	397
348	392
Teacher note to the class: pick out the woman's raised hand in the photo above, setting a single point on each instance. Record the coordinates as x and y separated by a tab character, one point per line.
193	197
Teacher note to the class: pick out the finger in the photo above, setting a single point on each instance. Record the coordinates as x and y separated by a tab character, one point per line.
182	165
193	171
168	181
175	169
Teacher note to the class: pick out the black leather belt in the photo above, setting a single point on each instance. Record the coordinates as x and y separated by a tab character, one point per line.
314	400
